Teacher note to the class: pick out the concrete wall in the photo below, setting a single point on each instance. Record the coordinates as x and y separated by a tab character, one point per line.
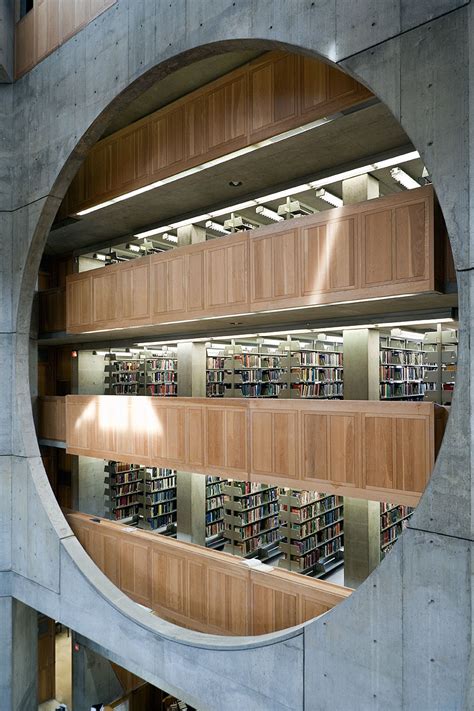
403	640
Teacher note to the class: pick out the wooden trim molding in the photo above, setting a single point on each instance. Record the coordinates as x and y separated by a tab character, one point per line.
376	249
263	98
199	588
367	449
48	25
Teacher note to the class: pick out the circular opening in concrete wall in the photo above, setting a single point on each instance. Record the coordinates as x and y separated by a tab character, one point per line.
247	339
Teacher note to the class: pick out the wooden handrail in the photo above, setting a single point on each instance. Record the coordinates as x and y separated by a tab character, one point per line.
199	588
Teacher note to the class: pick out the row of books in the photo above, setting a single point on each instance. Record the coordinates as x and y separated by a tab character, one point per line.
319	390
165	390
401	390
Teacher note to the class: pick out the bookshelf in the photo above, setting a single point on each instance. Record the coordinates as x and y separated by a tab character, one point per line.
316	370
159	503
251	524
145	374
312	369
215	511
123	491
393	520
402	368
218	368
122	376
312	529
159	374
440	365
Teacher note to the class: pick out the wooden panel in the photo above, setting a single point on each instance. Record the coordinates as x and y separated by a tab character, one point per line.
328	256
168	284
52	418
314	449
377	247
226	438
196	128
52	310
201	589
380	451
227	114
79	303
196	286
134	566
168	140
342	449
410	241
274	442
133	291
412	456
226	275
261	97
104	295
274	267
314	84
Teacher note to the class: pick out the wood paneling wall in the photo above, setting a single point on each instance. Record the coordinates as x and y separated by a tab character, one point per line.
373	450
52	418
198	588
48	25
379	248
265	97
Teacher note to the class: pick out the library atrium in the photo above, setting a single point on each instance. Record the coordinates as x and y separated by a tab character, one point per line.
235	478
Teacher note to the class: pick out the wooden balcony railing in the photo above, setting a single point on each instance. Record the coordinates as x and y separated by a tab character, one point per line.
382	248
373	450
198	588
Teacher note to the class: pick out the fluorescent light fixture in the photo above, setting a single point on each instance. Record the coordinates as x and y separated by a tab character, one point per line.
283	193
170	238
101	353
285	333
133	247
155	231
184	223
233	208
269	214
404	179
217	227
330	339
100	257
400	333
329	197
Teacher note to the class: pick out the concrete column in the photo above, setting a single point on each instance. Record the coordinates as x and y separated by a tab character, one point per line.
359	189
191	488
190	234
93	678
18	656
361	382
361	517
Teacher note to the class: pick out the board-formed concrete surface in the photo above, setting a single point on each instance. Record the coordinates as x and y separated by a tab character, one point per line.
403	640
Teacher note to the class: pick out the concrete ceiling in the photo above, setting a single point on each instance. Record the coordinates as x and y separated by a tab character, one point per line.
347	141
